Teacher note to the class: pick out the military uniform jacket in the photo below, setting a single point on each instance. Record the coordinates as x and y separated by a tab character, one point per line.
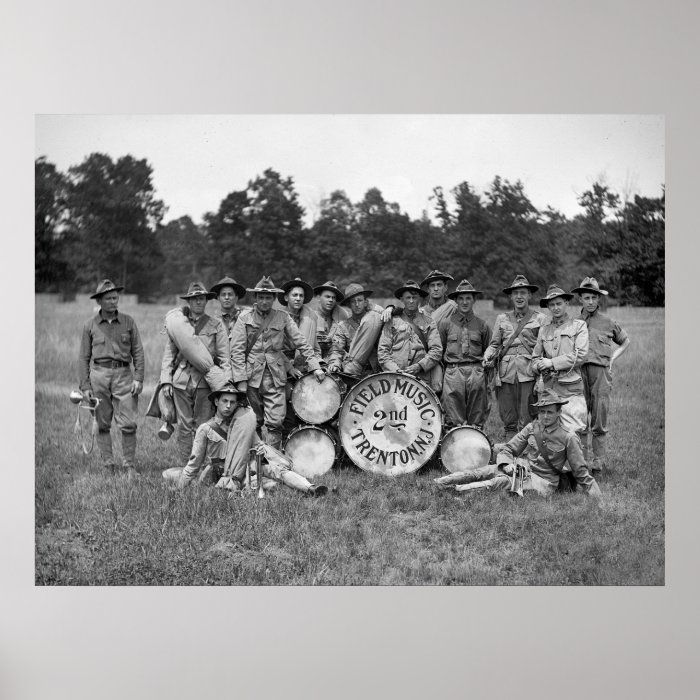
105	340
229	321
561	446
307	325
249	363
400	345
354	348
177	371
602	333
464	338
566	344
516	362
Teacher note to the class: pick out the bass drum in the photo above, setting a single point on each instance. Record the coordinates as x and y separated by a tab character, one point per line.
390	423
317	402
313	450
464	448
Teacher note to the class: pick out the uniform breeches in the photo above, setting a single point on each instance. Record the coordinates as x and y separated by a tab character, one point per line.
597	386
241	437
193	408
513	400
112	387
269	403
464	395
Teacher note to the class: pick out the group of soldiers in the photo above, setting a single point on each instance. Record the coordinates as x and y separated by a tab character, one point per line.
557	366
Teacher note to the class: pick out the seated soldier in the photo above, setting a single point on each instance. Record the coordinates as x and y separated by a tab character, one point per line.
221	446
542	448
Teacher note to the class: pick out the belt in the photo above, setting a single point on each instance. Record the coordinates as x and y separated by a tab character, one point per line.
461	364
113	364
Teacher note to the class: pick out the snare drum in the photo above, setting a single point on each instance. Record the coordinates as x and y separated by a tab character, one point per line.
464	448
313	450
317	402
390	423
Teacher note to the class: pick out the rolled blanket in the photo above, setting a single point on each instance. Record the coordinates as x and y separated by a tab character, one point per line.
190	346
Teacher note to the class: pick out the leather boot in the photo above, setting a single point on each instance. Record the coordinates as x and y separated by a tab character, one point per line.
296	481
129	450
104	443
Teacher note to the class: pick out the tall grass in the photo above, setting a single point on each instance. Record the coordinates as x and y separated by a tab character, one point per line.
94	528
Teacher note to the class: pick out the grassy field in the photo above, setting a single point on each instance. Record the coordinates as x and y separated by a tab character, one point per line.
96	529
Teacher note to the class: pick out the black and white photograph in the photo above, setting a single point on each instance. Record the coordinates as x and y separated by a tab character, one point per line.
350	349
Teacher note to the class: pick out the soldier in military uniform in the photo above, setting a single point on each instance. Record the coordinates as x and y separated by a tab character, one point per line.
295	295
510	353
558	355
111	341
410	342
354	349
258	361
325	304
183	382
438	304
543	447
229	293
596	369
465	338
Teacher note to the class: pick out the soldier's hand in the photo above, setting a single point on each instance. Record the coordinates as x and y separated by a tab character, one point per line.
508	469
89	395
332	369
295	373
386	314
136	387
486	363
260	449
242	386
167	391
413	369
320	375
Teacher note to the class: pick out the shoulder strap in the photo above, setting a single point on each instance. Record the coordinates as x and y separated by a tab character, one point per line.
254	338
537	432
418	330
219	430
516	333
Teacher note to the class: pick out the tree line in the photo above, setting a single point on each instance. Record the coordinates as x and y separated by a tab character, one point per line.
101	219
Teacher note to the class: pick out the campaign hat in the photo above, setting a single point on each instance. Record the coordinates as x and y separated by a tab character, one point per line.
410	286
435	275
264	285
553	292
589	284
227	281
520	282
296	282
227	388
197	289
549	397
104	287
331	287
463	287
352	290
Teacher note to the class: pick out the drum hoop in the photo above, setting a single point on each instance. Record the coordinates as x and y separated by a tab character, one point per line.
304	428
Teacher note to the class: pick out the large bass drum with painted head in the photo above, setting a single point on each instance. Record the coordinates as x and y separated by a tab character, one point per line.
390	423
317	402
464	448
312	449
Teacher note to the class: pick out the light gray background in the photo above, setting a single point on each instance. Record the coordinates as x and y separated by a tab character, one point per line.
309	57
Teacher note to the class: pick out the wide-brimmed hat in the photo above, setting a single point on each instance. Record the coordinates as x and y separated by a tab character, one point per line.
463	287
197	289
549	397
553	292
520	282
331	287
104	287
436	275
589	284
352	290
264	285
296	282
227	281
227	388
410	286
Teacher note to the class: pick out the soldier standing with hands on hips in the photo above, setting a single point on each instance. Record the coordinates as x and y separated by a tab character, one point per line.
111	341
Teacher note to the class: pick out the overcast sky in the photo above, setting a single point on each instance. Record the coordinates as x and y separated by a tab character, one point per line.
198	159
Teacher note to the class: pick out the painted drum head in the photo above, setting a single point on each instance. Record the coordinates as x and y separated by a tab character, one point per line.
317	402
464	448
390	423
313	450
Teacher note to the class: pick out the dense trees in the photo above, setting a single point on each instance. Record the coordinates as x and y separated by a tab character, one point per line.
102	219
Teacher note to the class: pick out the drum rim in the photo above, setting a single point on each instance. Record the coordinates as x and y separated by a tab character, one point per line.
367	378
310	426
341	387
